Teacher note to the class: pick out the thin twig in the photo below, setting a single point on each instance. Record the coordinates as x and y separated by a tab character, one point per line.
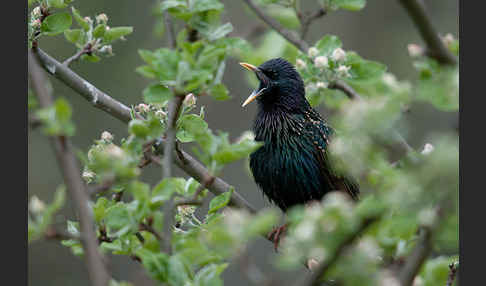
452	274
96	97
85	50
436	48
289	35
422	249
324	266
174	110
307	21
75	185
149	228
349	91
416	258
169	26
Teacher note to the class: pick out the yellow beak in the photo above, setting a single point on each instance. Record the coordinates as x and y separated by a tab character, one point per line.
255	93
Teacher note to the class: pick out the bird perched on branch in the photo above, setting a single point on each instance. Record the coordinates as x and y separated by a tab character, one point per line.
292	167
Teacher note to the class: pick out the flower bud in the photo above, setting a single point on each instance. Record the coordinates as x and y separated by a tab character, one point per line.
338	54
300	64
312	52
35	205
343	71
102	18
415	50
142	107
88	176
107	136
36	12
161	114
106	49
36	23
448	39
428	148
321	84
321	62
189	100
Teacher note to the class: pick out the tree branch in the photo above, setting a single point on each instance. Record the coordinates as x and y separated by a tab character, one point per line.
117	109
289	35
344	87
416	258
436	49
452	274
97	98
75	185
171	36
174	110
306	21
324	266
86	49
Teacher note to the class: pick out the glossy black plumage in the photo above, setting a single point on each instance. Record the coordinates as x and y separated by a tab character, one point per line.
292	167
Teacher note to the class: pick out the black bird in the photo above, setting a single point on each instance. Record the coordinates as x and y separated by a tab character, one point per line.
292	167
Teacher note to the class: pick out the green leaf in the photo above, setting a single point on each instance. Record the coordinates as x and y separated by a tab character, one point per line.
363	70
219	92
91	58
99	209
116	33
57	118
99	31
210	275
156	264
80	20
327	44
189	126
119	219
206	5
220	201
138	128
56	23
220	32
229	153
156	94
74	35
352	5
56	4
164	190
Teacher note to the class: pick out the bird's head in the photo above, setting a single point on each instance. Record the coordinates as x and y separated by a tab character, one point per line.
280	84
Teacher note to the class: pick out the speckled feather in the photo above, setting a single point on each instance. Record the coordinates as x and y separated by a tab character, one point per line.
292	166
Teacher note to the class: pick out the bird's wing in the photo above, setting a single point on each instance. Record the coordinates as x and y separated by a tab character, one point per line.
321	135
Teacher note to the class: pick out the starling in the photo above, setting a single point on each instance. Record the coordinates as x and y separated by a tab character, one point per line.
292	167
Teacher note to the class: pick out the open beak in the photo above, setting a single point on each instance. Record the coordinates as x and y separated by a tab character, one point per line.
253	96
255	93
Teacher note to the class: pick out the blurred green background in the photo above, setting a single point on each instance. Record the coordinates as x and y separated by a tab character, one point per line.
380	32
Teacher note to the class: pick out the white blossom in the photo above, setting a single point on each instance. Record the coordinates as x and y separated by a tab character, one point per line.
321	84
338	54
88	176
427	217
343	71
36	12
300	64
36	205
107	49
190	100
143	107
107	136
312	52
102	18
428	148
448	39
415	50
161	114
321	62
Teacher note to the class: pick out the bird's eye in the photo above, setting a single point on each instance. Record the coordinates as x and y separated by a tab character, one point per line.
271	74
